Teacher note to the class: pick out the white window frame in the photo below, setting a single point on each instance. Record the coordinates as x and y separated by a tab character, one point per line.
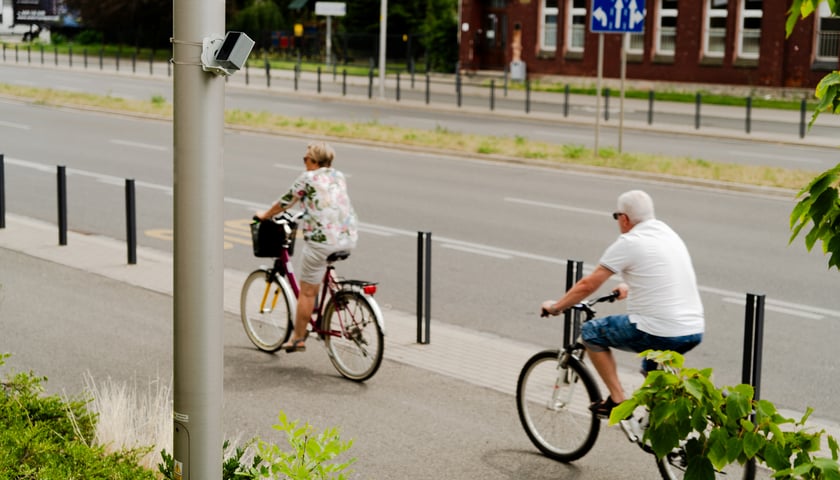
827	47
665	38
575	32
546	27
747	36
708	31
636	43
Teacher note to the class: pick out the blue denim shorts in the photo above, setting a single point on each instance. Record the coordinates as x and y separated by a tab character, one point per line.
617	331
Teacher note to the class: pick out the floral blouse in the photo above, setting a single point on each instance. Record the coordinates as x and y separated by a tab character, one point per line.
328	217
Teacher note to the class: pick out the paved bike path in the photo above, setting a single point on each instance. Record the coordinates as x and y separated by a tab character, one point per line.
481	359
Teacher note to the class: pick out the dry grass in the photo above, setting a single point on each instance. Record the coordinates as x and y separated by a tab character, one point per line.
516	148
131	417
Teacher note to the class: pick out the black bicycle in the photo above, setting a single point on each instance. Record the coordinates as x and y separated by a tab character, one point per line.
553	395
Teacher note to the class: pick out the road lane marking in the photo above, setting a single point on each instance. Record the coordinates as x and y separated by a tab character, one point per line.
18	126
771	307
146	146
476	251
558	206
805	311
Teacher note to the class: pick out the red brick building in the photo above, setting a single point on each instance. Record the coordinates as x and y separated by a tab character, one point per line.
702	41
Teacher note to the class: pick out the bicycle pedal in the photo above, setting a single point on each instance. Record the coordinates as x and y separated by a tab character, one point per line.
631	429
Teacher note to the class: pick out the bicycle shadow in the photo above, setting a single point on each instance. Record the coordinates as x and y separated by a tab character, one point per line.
247	369
518	464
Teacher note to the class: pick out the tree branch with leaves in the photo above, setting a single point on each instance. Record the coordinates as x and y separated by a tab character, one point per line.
819	202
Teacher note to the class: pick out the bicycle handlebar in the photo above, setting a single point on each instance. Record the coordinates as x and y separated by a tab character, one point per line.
585	305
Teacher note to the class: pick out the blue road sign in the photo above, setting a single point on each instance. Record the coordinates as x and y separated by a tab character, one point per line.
617	16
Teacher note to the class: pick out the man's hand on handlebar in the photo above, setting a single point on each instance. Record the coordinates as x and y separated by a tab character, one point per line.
622	290
548	307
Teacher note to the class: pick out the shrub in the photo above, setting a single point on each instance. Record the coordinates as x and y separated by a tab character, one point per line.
720	426
46	438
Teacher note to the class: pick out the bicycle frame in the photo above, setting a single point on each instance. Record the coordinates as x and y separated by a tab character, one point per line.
329	288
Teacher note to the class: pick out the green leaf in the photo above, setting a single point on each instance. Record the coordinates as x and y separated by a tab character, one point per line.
699	468
739	401
793	16
623	410
663	439
717	446
775	458
695	387
753	443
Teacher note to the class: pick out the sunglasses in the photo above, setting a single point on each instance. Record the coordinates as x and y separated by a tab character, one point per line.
618	214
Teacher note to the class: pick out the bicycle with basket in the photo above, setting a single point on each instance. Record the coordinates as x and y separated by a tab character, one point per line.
346	317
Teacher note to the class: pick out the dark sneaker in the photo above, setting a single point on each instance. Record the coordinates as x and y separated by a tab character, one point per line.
603	408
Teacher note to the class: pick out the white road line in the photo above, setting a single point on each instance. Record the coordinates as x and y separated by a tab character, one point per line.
773	308
18	126
147	146
557	206
801	310
476	251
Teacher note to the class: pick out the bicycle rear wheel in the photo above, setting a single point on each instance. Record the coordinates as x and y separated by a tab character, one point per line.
353	337
673	465
553	403
266	310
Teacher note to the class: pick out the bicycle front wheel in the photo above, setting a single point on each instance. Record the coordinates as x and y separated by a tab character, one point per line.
553	403
353	337
266	310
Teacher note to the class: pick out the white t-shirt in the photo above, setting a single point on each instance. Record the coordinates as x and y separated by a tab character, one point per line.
653	260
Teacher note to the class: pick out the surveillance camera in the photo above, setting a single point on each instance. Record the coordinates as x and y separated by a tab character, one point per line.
235	50
223	56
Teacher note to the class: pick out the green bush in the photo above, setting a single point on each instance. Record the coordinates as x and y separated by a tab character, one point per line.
38	439
89	37
312	457
720	426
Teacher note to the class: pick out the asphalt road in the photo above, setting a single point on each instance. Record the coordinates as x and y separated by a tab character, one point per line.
721	137
502	232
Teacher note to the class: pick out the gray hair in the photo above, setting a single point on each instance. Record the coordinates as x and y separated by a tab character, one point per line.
637	205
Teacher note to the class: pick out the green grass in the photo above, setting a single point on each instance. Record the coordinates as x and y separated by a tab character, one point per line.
517	148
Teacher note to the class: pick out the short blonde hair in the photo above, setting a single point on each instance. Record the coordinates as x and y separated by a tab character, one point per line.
321	153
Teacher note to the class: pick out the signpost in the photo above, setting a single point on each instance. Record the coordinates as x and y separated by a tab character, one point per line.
329	10
614	16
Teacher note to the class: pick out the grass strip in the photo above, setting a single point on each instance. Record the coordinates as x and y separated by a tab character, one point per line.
517	148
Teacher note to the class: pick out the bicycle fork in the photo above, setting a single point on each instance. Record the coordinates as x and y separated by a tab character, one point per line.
565	376
270	309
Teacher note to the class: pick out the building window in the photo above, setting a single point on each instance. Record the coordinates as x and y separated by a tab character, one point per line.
828	35
576	31
749	36
548	40
666	31
636	43
714	37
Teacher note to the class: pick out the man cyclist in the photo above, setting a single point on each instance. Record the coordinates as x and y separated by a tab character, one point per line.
664	310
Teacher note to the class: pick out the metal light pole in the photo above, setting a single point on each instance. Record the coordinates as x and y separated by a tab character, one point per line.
198	269
383	31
